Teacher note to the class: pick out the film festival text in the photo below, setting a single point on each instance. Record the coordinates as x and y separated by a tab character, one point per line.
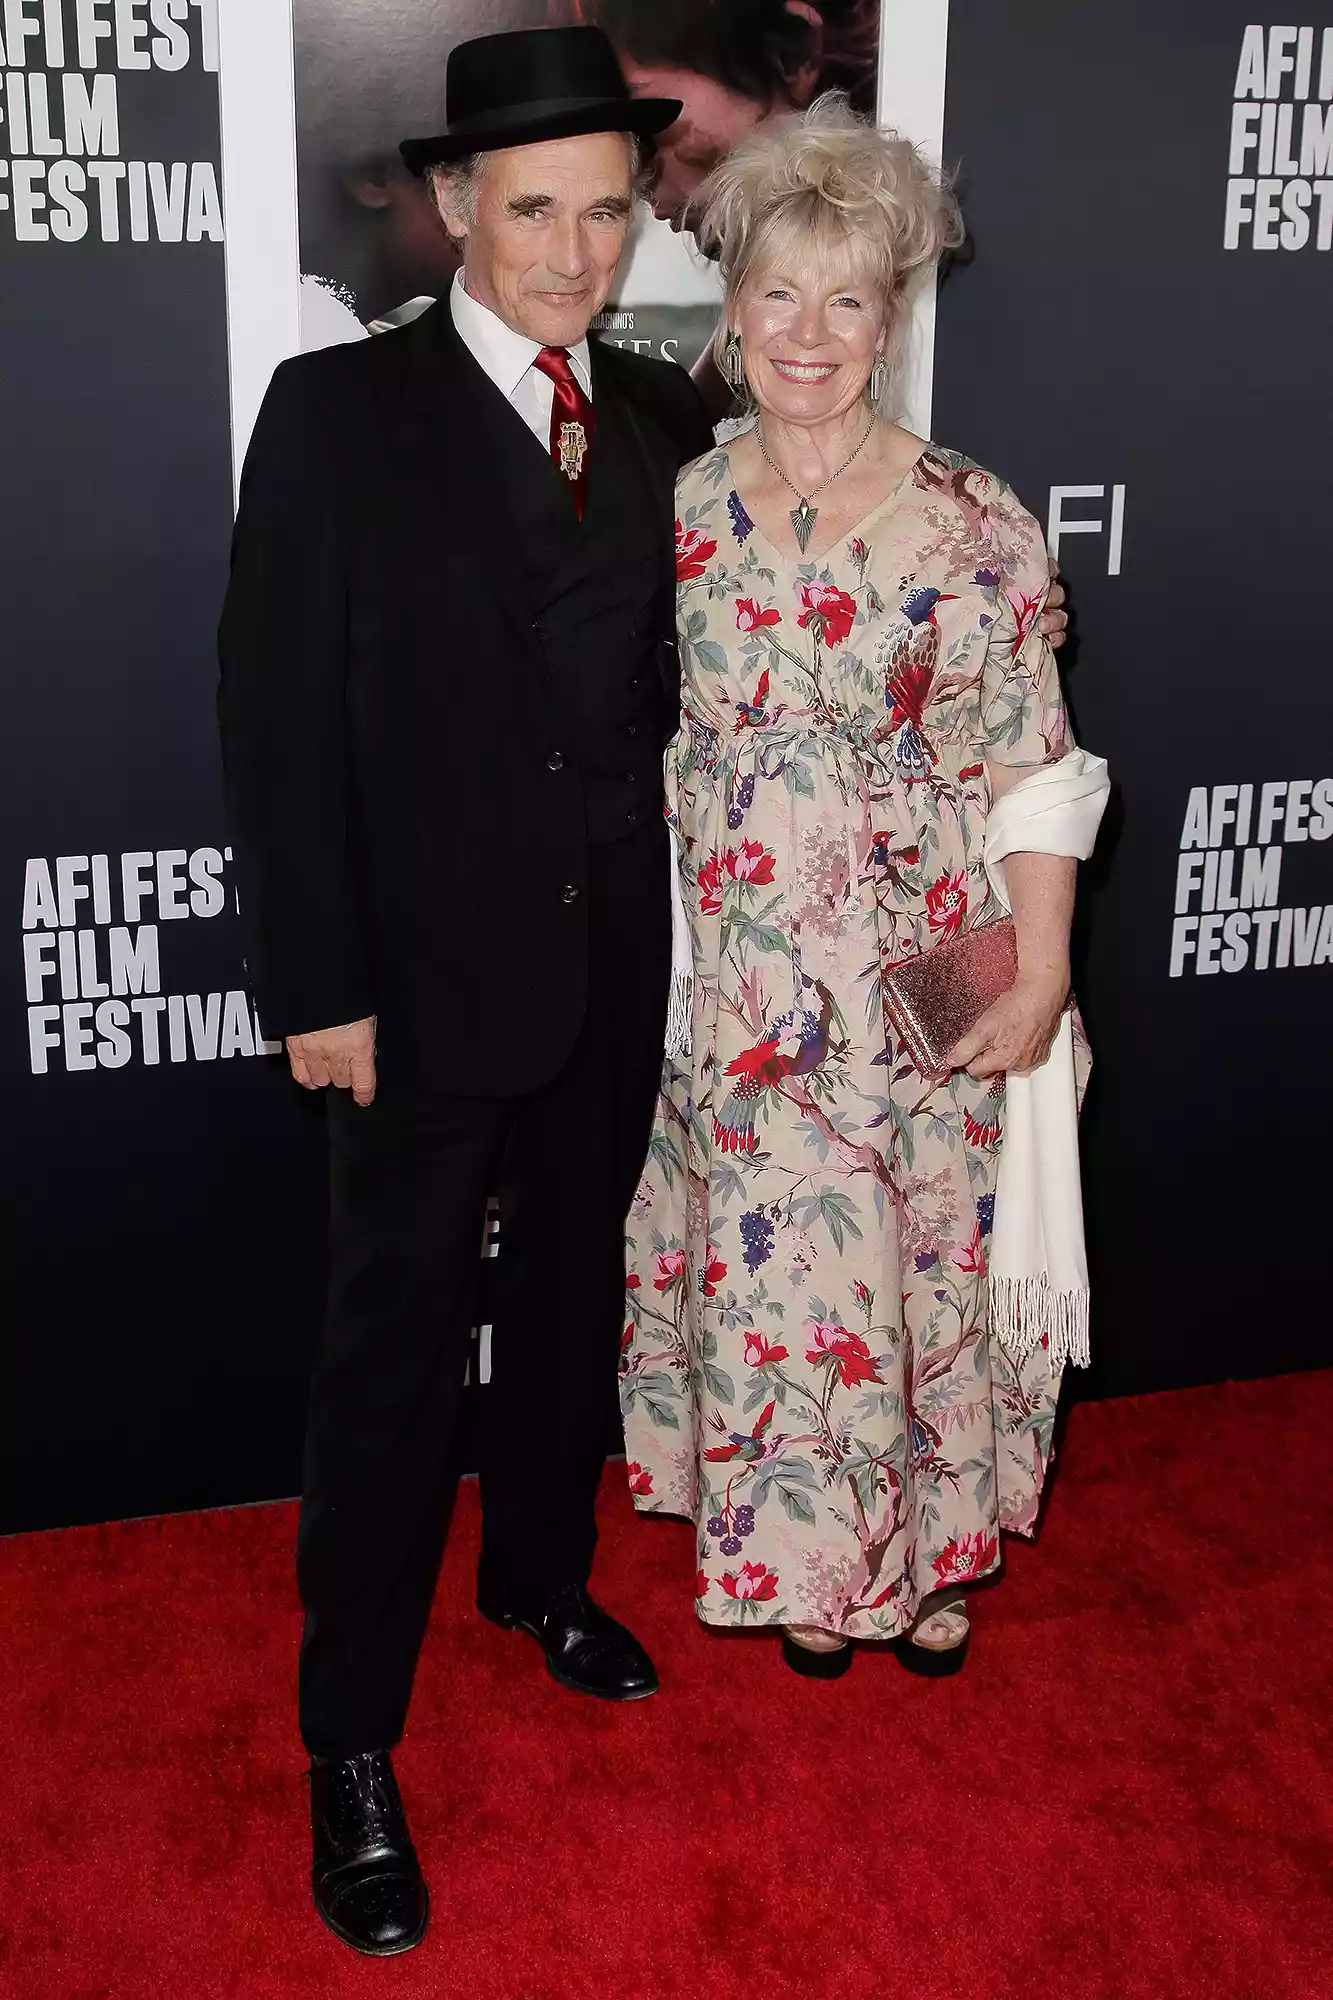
93	930
62	174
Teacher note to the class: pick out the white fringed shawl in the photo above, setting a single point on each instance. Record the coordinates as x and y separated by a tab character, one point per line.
1038	1264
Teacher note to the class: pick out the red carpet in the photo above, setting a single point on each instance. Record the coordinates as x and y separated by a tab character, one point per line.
1126	1794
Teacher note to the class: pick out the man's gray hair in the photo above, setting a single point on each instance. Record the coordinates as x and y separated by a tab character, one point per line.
456	186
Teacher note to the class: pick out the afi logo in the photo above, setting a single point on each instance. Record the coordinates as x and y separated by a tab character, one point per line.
1058	523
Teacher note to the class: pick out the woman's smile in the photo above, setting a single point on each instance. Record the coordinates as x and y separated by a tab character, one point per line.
804	371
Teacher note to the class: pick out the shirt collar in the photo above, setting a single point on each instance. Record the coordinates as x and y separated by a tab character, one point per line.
505	355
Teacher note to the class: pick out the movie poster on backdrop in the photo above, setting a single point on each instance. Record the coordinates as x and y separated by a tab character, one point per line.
373	250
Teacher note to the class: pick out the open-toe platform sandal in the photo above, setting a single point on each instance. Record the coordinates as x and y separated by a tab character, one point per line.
937	1644
822	1663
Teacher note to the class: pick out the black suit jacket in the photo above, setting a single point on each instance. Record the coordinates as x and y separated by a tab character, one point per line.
403	846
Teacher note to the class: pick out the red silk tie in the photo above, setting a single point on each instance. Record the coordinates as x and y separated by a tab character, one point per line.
572	422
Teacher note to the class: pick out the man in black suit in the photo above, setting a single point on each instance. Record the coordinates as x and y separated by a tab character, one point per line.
448	675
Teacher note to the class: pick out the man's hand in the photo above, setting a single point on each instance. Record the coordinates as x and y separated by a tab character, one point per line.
1054	621
343	1057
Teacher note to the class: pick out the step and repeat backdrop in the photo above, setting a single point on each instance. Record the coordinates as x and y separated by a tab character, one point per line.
1137	337
1140	340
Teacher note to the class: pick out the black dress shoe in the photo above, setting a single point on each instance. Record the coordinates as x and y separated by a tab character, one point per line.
586	1649
366	1878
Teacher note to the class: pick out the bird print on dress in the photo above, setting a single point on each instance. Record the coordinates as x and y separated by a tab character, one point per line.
909	655
753	714
749	1449
796	1043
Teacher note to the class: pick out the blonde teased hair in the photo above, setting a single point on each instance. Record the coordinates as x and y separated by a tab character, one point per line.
824	187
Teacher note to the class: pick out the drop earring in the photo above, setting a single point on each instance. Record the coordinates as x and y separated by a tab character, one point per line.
733	364
875	386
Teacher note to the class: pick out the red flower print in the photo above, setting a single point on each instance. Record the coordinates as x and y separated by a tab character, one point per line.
750	862
710	886
910	856
970	771
756	1584
984	1130
946	903
700	1586
749	617
670	1269
693	550
714	1271
830	610
863	1295
758	1350
847	1350
639	1480
859	551
626	1338
957	1561
633	1281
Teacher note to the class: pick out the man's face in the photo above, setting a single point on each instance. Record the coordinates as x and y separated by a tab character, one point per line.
550	224
713	121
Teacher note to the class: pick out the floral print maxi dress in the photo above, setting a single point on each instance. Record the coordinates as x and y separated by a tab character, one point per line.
807	1369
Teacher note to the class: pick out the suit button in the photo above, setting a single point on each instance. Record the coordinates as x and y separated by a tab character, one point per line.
569	894
631	819
555	762
635	682
630	778
631	729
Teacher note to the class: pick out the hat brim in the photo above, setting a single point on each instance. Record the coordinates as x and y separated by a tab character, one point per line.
529	124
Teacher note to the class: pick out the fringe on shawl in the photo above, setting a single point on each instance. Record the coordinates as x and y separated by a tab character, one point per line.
1024	1310
680	1008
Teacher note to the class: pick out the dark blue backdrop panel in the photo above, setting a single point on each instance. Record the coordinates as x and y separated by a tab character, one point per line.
1099	334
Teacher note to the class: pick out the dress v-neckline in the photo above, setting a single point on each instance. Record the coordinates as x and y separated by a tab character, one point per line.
848	534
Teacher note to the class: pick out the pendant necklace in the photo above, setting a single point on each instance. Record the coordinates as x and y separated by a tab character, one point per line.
803	515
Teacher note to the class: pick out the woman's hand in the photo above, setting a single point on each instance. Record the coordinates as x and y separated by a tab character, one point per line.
1015	1033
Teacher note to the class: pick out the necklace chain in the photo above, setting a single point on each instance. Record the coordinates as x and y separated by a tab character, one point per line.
803	515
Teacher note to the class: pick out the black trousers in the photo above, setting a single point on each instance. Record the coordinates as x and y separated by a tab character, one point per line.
410	1177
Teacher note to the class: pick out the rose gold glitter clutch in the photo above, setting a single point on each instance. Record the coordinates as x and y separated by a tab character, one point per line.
933	999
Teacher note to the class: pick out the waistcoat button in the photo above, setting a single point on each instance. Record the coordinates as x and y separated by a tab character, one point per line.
555	762
569	894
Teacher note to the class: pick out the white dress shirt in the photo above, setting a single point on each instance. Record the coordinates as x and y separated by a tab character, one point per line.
507	358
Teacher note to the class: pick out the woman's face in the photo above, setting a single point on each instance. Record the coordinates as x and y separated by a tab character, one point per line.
809	338
713	121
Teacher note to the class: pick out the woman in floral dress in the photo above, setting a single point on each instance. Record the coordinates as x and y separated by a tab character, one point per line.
808	1371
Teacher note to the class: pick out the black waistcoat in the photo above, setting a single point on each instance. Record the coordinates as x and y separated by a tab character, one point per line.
591	589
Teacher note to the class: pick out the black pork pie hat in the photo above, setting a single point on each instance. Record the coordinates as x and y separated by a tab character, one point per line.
531	84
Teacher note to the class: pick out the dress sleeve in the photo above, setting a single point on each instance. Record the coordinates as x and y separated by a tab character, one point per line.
1023	717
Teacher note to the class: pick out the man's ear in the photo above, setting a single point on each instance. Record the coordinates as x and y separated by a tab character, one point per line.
456	225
